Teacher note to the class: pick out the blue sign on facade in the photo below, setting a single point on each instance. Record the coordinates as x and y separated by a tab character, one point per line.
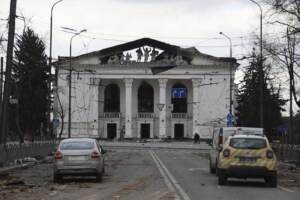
179	93
230	120
55	123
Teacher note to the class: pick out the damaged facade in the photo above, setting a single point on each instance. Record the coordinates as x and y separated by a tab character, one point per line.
125	89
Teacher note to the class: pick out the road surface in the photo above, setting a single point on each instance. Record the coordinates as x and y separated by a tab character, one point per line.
141	174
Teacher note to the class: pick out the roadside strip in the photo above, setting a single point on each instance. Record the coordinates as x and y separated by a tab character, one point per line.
285	189
170	181
18	166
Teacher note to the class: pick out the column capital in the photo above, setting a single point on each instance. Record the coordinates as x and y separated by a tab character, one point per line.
128	82
162	82
197	81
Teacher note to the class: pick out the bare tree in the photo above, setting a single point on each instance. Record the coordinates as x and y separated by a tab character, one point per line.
285	50
284	54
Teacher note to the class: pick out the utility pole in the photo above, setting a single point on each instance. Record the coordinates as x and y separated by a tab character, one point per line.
70	83
9	62
230	76
290	130
261	70
50	65
1	81
289	52
261	74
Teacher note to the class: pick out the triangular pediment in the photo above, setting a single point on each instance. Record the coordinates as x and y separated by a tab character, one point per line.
147	50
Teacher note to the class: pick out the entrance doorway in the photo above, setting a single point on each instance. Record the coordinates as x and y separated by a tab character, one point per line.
145	131
111	130
178	131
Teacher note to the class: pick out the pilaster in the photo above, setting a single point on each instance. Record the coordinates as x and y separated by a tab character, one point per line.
128	108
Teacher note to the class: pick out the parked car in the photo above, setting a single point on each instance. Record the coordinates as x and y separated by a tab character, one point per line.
219	137
78	156
247	156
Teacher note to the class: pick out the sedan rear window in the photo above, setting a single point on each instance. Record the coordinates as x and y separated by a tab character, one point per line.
77	145
248	143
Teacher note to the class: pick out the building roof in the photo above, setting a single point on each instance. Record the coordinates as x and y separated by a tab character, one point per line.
168	49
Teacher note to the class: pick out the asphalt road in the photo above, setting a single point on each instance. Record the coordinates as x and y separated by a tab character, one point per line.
141	174
192	174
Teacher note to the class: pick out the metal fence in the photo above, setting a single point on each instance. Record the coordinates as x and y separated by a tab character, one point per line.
14	151
287	153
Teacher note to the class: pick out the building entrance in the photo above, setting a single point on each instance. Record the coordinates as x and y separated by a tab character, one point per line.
111	130
179	131
145	131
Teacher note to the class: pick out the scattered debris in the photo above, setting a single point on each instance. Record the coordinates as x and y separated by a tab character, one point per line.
15	182
289	176
29	159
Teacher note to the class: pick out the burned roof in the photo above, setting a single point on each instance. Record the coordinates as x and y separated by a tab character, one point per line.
136	44
168	49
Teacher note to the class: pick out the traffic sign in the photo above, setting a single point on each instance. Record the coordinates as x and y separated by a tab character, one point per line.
55	123
160	106
230	120
179	93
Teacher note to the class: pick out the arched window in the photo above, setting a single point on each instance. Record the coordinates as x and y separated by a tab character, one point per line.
145	98
179	98
112	98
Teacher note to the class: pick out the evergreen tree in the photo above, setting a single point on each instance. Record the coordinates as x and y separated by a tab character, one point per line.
31	82
248	110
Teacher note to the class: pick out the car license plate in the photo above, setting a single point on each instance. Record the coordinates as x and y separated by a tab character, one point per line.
247	159
76	158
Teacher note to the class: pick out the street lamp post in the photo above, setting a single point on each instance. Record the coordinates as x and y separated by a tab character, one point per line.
51	25
50	56
70	82
261	71
230	74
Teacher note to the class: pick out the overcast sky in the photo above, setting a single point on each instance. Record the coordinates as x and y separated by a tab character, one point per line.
111	22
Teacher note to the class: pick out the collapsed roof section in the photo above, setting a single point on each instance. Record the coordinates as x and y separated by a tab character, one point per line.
168	52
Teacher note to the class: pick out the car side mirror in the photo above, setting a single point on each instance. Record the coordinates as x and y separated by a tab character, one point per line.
103	151
209	142
220	148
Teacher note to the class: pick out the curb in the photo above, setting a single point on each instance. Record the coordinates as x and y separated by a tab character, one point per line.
5	170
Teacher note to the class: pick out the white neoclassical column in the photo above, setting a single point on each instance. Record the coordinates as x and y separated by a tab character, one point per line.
163	110
196	104
128	107
93	98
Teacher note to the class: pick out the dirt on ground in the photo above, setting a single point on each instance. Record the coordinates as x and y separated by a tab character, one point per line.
36	182
289	176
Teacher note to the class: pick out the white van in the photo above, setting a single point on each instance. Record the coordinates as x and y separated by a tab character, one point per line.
219	137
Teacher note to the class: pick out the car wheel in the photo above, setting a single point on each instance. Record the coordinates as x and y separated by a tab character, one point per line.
222	178
57	178
271	181
99	177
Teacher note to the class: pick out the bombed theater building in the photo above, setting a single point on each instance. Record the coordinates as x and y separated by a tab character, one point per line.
143	89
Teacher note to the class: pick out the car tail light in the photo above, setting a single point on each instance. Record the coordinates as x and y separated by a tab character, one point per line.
95	155
58	155
270	154
221	138
226	153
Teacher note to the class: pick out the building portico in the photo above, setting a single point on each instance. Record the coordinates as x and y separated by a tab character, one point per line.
111	94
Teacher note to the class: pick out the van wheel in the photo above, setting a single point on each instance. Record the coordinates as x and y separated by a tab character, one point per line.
99	177
57	178
212	169
222	178
271	181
